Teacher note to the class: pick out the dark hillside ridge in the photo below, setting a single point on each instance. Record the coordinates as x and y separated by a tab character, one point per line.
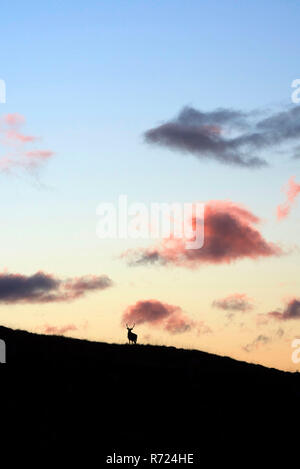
23	346
98	398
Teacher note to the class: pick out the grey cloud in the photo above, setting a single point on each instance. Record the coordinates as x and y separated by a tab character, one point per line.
261	339
226	135
45	288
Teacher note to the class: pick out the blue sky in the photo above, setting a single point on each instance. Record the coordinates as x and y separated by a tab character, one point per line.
86	73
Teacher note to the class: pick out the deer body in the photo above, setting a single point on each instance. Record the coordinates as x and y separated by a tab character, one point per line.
132	338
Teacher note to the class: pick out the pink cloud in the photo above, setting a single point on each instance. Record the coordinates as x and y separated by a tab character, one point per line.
39	154
59	330
165	316
292	189
15	144
36	157
14	119
14	135
229	234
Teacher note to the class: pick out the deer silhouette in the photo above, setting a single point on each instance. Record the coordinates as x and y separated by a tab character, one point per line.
132	338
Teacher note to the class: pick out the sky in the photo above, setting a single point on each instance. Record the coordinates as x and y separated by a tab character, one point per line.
163	102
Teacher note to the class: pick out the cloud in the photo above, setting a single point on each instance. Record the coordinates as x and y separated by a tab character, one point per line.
292	189
14	119
225	135
234	302
39	154
296	153
45	288
229	234
291	311
165	316
261	339
262	319
279	332
47	329
15	142
15	136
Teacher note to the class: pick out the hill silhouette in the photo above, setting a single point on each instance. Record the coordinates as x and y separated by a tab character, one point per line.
65	394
